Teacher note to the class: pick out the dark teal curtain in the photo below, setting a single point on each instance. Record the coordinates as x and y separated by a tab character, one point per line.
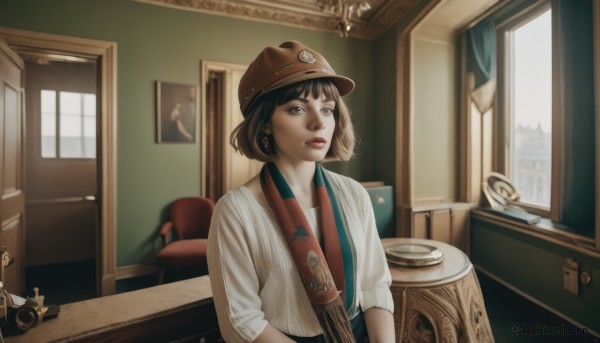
575	20
481	58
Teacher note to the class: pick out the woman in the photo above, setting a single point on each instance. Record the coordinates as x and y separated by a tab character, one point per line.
294	253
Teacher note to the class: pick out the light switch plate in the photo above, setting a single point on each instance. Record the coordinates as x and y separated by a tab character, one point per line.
571	276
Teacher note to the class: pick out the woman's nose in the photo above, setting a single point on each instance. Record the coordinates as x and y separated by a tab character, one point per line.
317	122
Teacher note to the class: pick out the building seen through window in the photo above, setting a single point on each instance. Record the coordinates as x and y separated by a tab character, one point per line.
531	109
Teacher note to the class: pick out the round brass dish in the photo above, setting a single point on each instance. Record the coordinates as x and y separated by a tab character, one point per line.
413	255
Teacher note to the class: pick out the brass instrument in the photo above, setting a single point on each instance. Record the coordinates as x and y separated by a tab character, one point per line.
17	314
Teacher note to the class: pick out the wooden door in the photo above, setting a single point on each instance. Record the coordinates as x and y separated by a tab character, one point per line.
12	202
440	229
105	54
460	228
223	168
420	225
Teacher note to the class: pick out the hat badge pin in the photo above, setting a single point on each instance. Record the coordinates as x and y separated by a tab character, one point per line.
306	57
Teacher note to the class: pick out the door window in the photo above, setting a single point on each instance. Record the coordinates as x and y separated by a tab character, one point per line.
68	128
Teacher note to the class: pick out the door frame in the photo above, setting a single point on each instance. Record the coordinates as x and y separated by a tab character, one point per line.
228	101
106	55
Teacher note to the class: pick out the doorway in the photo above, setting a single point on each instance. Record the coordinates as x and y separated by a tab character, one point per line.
223	168
61	213
94	199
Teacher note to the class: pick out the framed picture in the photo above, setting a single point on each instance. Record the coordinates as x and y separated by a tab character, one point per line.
175	112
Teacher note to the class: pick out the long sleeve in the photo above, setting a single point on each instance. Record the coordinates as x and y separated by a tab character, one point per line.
376	279
233	277
373	275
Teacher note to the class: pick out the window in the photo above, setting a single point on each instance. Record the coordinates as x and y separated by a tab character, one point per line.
530	109
545	120
68	125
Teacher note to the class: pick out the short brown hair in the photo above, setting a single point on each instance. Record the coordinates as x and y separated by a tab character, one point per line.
248	135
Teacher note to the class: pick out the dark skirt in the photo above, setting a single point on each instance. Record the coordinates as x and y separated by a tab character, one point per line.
359	329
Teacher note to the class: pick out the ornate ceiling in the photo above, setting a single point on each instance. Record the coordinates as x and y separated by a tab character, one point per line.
300	13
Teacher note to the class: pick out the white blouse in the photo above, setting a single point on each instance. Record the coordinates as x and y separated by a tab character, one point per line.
253	276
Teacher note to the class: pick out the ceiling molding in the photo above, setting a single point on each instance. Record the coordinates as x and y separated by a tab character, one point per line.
300	13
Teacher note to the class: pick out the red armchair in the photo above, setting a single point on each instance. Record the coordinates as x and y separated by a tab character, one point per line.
184	236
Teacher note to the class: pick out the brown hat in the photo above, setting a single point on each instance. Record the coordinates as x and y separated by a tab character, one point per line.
291	62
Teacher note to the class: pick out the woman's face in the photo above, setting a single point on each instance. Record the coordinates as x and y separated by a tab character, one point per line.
302	128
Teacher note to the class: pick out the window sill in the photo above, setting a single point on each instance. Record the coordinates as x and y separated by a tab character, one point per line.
545	230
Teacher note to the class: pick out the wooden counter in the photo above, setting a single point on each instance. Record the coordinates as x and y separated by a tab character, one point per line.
180	311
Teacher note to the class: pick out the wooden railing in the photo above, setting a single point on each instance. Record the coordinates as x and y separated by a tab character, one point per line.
176	312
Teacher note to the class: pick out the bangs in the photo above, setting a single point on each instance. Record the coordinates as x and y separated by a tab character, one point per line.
313	87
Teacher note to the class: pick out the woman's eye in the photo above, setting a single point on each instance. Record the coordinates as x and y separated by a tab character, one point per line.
327	110
296	109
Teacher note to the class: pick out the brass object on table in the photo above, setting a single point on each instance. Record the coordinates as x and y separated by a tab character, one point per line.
17	315
413	255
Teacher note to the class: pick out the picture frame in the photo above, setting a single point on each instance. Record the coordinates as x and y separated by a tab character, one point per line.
176	108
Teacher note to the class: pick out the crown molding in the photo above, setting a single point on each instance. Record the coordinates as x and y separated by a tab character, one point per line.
301	13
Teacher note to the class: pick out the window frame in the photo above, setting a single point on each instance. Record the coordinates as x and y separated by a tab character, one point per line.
596	8
479	143
504	59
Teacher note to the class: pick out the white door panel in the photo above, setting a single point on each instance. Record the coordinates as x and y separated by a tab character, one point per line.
11	164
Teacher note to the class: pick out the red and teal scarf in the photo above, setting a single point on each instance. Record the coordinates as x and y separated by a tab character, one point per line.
327	271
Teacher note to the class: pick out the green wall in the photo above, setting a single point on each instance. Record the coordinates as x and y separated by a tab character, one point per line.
534	267
434	121
385	103
383	144
160	43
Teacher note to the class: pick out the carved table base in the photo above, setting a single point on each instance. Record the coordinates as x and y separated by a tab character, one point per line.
441	303
449	313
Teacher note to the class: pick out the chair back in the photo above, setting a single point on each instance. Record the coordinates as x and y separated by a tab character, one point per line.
191	217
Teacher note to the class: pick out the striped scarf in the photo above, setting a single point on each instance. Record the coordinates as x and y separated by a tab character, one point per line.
323	271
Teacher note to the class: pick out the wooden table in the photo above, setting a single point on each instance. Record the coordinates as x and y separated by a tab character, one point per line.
438	303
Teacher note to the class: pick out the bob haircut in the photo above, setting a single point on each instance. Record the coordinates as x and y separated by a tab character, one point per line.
248	135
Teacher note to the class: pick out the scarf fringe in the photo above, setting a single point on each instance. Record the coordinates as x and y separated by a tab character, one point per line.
333	318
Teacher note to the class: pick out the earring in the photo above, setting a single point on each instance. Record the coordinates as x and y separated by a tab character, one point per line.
266	143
